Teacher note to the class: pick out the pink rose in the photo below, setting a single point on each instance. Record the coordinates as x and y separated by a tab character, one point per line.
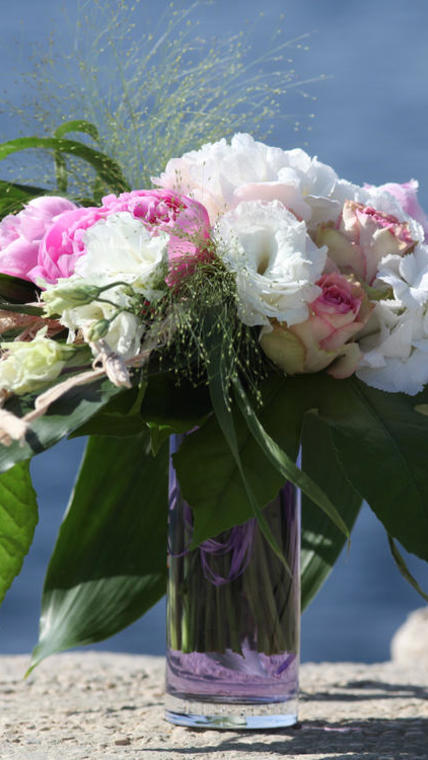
20	234
362	237
184	219
325	338
407	196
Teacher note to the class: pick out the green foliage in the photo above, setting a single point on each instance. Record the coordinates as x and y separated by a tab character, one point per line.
18	519
63	417
77	125
108	170
14	291
109	562
322	541
120	416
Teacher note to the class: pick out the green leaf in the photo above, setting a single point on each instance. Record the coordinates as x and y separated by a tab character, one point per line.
322	542
178	405
119	417
21	308
13	290
109	563
62	418
107	169
382	443
209	477
286	466
404	570
171	407
18	519
77	125
158	435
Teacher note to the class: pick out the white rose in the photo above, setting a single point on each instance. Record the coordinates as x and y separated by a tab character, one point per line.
275	261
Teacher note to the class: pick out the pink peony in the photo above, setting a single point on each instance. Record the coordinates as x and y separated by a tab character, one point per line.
184	219
362	237
407	196
325	338
20	234
62	244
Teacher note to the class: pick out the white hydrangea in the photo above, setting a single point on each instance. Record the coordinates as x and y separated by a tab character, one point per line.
408	276
221	175
396	353
275	261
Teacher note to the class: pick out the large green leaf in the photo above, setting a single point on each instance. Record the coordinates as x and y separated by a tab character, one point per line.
106	168
109	563
18	519
170	406
382	443
286	466
176	403
119	417
209	476
62	418
322	542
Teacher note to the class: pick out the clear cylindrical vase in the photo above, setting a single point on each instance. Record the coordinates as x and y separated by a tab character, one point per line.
233	619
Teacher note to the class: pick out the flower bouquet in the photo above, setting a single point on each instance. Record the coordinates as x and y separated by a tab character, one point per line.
268	318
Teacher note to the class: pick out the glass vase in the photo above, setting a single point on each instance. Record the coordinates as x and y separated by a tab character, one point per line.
233	619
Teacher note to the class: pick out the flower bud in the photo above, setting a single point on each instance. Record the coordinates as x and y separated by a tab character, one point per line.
98	330
57	299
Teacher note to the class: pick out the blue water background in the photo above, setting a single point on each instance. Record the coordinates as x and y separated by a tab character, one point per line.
371	125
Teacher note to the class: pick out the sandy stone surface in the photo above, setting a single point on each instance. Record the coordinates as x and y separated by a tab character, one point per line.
88	706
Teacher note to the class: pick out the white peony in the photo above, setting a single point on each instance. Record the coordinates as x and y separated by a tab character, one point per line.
221	175
275	261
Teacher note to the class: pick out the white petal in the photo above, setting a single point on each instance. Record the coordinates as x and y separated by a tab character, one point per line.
275	261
